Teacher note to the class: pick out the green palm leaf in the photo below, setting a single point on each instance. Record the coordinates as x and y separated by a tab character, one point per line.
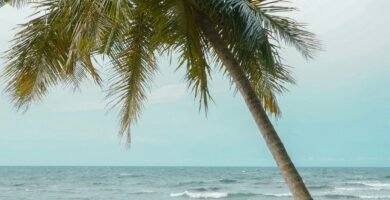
134	65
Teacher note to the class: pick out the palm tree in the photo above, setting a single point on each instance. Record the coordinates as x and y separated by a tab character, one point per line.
242	37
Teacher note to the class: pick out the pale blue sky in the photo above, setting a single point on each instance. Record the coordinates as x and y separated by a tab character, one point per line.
338	114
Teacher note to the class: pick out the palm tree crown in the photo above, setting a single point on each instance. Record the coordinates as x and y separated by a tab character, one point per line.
60	42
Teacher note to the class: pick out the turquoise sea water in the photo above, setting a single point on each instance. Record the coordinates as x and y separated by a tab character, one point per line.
175	183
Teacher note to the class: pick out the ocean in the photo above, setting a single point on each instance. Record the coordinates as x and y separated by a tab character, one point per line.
179	183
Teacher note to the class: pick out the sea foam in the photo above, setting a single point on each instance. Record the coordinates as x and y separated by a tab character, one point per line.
375	197
278	195
200	195
373	184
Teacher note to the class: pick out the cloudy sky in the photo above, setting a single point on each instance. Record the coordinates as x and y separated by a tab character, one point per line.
338	113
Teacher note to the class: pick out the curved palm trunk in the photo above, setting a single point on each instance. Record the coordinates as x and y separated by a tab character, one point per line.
287	168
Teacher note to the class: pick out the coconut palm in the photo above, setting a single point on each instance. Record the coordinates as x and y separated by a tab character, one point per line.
241	37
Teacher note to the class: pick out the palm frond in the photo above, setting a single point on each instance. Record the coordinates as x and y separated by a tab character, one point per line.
255	43
192	48
35	61
250	18
178	32
268	84
85	21
117	12
15	3
134	65
53	47
286	29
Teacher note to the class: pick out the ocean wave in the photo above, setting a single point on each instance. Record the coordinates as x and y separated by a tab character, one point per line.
190	183
278	194
202	189
228	181
320	187
377	184
347	189
217	195
142	192
357	188
245	194
261	183
341	196
375	197
372	184
200	195
130	175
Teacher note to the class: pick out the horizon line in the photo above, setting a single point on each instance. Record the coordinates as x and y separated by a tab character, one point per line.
189	166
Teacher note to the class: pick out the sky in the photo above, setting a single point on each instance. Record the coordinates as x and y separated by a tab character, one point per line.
338	113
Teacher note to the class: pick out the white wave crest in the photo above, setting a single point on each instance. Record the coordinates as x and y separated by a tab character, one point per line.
200	195
279	195
357	188
375	197
378	184
373	184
